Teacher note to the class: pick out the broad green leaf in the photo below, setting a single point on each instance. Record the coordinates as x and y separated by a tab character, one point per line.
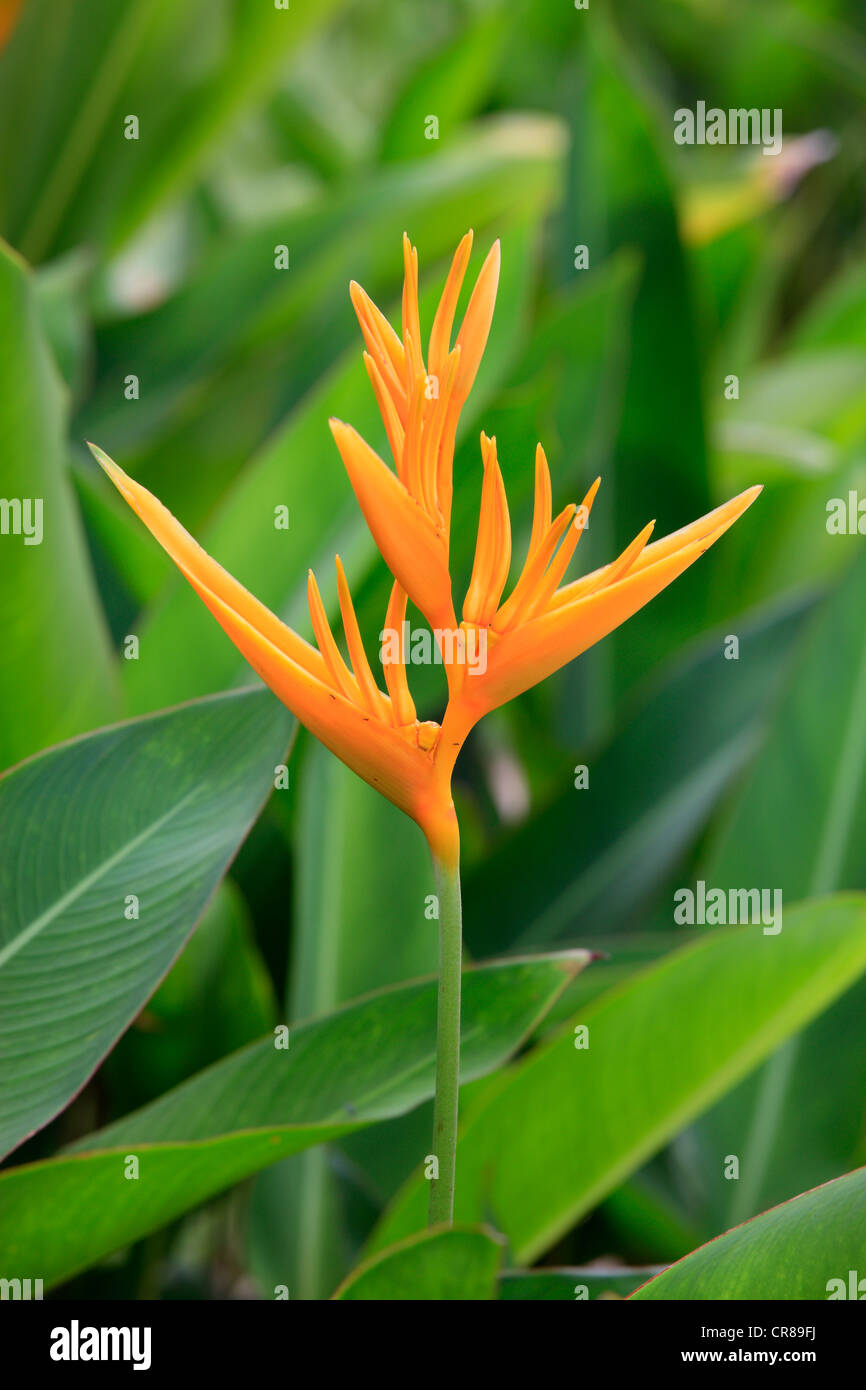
799	823
359	924
620	194
445	1263
569	1124
189	127
216	998
57	676
60	79
369	1061
112	846
239	344
808	1248
188	72
452	84
570	1285
598	852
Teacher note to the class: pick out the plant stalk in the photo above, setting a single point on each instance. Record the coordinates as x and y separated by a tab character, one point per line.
447	1040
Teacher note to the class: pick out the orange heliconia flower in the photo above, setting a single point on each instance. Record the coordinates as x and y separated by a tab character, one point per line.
542	625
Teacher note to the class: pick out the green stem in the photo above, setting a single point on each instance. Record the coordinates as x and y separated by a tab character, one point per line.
447	1041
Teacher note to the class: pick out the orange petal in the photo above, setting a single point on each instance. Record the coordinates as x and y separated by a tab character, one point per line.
542	511
383	346
297	673
533	651
559	564
395	671
342	677
626	561
523	594
376	751
411	320
472	338
412	447
412	546
370	691
493	547
723	516
387	409
198	566
443	323
447	417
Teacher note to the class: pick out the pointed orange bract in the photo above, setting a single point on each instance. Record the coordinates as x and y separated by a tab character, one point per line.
539	627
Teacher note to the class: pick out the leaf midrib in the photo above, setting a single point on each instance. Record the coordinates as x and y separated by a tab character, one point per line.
32	930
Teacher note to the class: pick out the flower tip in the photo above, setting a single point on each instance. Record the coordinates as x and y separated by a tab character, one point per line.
744	500
108	466
101	457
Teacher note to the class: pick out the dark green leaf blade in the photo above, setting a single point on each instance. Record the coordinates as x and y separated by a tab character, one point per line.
368	1061
113	845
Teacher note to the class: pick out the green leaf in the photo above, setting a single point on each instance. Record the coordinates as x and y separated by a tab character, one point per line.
369	1061
599	852
800	817
807	1248
452	83
620	193
238	338
113	845
188	128
57	676
570	1285
72	85
340	950
449	1262
567	1125
216	998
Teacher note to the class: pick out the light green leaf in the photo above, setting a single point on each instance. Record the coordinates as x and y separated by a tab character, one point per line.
568	1124
217	997
57	676
445	1263
112	846
359	925
369	1061
238	333
808	1248
800	817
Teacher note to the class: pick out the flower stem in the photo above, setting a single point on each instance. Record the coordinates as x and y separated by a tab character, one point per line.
447	1040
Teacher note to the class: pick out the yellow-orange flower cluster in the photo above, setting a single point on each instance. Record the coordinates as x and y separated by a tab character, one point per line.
542	624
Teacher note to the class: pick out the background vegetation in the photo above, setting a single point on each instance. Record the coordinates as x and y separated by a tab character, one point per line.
155	258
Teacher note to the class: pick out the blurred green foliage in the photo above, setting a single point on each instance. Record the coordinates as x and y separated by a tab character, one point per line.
153	258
